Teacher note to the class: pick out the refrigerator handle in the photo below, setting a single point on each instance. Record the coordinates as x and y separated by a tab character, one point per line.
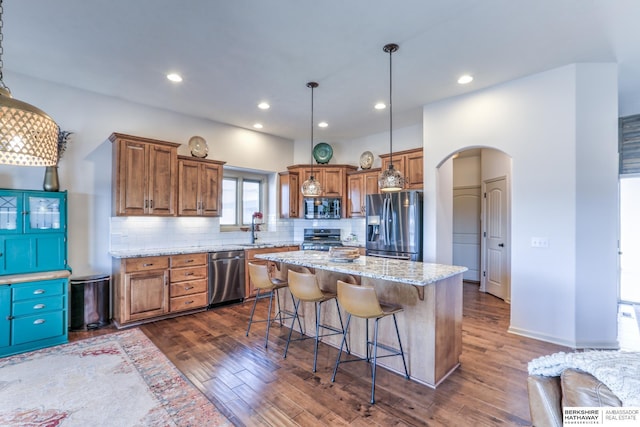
385	216
389	219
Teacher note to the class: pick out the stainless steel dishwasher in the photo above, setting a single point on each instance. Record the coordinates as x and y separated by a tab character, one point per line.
226	277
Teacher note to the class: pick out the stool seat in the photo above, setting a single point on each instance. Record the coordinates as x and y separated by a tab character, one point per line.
362	301
305	288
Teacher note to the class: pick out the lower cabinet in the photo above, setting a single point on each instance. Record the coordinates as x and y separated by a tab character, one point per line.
33	313
250	256
147	288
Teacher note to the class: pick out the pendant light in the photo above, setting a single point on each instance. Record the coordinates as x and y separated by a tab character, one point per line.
390	179
311	187
28	136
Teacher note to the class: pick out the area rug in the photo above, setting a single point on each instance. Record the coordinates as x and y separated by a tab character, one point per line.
118	379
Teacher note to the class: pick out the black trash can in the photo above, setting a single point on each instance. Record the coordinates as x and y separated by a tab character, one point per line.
89	302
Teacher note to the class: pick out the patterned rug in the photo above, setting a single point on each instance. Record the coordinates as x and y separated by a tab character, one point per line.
119	379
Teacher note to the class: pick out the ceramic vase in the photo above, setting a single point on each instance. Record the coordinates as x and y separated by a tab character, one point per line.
51	181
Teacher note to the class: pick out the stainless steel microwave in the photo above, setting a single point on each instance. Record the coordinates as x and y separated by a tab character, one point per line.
322	208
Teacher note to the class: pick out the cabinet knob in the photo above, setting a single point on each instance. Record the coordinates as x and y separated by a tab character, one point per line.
188	302
39	292
39	306
190	260
189	273
186	288
147	264
151	203
39	321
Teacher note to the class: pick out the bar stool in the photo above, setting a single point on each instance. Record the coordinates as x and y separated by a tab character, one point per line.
362	301
304	287
268	286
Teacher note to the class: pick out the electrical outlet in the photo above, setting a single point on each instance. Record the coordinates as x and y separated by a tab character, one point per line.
539	242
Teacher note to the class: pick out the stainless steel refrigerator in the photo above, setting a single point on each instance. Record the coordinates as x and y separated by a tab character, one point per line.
394	225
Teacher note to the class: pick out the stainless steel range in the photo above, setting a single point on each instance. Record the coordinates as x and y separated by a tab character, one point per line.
320	239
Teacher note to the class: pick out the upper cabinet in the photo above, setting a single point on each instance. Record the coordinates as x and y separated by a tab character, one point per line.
145	176
33	231
410	164
359	184
199	187
290	194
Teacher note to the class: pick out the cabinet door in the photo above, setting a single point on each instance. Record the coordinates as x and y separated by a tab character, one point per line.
11	208
414	166
211	189
188	191
45	213
131	178
50	252
5	314
146	294
355	207
17	254
370	185
289	194
162	180
333	184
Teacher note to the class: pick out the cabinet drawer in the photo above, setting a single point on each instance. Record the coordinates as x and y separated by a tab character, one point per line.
188	260
35	306
187	273
38	327
42	289
147	263
188	288
188	302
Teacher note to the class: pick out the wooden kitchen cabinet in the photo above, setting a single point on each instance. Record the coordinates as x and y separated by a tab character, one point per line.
290	194
145	176
199	187
189	282
359	184
411	164
274	270
151	288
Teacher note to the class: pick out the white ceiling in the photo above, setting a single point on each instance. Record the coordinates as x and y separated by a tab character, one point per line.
235	53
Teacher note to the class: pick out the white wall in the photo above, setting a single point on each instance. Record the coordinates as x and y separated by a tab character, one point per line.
85	169
537	121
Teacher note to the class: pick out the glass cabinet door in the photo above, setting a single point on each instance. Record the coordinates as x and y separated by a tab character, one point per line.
10	212
45	213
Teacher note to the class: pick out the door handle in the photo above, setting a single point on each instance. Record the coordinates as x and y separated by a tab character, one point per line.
501	245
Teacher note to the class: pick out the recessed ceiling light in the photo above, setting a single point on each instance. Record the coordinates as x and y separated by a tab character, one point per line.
264	106
323	124
463	80
380	106
174	77
258	125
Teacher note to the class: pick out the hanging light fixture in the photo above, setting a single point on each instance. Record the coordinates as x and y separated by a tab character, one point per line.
28	137
311	187
390	179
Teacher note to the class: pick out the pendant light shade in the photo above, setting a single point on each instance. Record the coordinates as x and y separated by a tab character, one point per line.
311	187
390	179
28	137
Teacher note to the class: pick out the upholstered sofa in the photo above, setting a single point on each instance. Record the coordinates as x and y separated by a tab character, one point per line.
549	394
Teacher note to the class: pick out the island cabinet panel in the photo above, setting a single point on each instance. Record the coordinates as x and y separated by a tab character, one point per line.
411	164
199	187
274	268
359	184
151	288
290	194
145	176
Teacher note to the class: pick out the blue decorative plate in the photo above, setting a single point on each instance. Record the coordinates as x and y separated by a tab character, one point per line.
322	153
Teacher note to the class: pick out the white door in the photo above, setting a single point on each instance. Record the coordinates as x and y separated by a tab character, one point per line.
496	233
466	230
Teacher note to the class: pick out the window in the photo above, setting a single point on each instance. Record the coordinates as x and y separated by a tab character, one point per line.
242	195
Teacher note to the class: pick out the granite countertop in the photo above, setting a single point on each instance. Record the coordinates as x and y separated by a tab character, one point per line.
134	253
410	272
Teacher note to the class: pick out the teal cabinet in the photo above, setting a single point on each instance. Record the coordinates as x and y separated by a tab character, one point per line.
33	230
33	314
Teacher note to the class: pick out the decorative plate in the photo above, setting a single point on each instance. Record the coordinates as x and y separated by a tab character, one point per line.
322	153
366	160
198	146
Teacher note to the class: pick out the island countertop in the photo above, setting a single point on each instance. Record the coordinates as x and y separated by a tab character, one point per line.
393	270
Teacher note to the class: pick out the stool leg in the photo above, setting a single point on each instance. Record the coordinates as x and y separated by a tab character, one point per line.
266	341
252	311
341	325
373	368
366	334
278	302
315	348
406	373
293	321
344	339
299	324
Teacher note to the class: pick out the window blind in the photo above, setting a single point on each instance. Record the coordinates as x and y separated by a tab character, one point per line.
629	144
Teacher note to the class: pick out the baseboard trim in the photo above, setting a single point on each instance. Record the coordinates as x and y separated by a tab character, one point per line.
571	344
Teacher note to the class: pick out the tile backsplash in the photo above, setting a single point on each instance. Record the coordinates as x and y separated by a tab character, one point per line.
132	233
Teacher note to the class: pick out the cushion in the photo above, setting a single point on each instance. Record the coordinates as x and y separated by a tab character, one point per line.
582	389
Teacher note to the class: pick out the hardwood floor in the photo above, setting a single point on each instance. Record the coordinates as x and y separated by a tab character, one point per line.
256	386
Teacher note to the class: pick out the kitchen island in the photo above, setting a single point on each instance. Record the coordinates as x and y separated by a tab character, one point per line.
431	295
